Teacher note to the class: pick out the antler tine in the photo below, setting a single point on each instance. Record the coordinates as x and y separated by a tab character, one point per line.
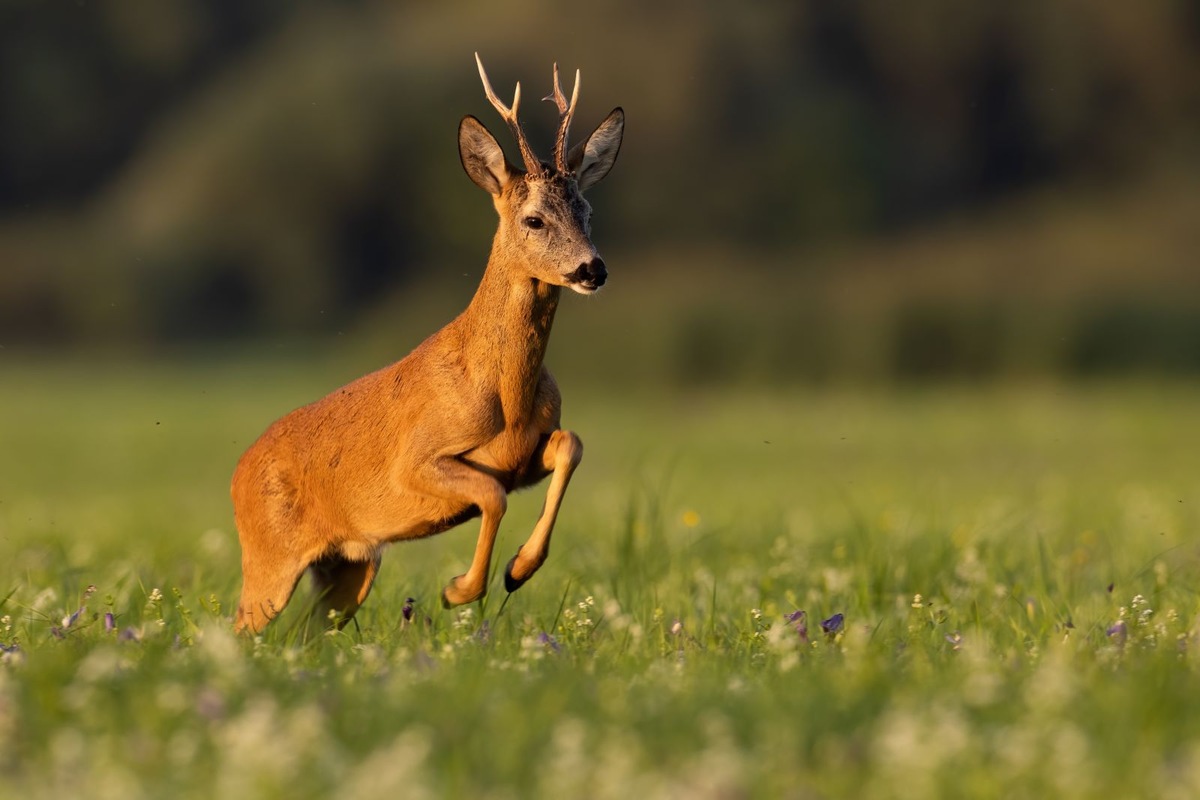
532	164
556	96
565	112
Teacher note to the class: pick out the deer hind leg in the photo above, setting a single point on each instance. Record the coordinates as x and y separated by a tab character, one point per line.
342	585
273	537
560	456
267	586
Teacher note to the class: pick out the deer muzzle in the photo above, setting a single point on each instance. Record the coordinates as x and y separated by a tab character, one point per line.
589	276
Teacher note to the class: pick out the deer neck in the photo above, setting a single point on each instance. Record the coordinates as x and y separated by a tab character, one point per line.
506	329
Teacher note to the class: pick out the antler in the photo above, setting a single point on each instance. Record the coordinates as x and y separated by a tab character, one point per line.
565	112
532	164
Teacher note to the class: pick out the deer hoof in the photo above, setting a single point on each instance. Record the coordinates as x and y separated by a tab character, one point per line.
511	584
453	596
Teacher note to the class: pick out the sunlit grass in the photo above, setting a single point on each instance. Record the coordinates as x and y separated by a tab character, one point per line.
1015	570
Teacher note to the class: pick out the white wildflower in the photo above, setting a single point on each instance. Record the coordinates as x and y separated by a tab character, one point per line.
464	618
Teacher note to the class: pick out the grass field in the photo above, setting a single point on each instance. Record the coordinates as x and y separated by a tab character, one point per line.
937	592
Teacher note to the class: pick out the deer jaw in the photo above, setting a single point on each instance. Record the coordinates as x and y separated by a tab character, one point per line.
545	233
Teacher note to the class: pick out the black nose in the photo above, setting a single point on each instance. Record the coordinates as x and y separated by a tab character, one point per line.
593	271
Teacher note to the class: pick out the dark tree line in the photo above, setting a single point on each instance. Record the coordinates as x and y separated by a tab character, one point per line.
192	169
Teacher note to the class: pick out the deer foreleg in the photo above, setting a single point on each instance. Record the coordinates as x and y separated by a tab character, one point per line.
451	479
472	584
560	455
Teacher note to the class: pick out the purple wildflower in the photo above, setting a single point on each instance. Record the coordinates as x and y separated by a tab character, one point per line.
799	619
407	611
68	621
833	625
548	641
484	634
57	632
110	622
129	635
1118	632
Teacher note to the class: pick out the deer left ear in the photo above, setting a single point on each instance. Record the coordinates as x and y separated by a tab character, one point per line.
592	158
482	157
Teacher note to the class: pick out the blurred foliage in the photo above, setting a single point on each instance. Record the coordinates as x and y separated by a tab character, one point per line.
923	189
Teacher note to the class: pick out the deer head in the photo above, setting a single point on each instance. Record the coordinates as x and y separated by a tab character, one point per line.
545	230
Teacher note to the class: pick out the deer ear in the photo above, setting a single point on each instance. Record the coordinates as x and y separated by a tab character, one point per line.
482	157
592	158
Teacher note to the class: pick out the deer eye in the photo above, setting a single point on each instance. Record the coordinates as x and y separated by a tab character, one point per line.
534	223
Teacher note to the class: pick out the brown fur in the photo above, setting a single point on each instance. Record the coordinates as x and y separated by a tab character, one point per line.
442	435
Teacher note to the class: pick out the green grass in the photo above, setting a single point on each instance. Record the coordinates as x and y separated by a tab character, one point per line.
652	656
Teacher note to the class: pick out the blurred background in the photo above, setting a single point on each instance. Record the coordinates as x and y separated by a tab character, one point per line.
808	191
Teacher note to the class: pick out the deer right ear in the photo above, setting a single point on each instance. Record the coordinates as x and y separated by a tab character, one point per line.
482	157
592	158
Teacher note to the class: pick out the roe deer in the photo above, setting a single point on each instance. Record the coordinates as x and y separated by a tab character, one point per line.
444	434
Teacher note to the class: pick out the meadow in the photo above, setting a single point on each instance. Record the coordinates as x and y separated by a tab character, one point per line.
853	591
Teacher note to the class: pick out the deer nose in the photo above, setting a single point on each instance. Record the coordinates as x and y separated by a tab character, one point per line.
595	271
588	276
